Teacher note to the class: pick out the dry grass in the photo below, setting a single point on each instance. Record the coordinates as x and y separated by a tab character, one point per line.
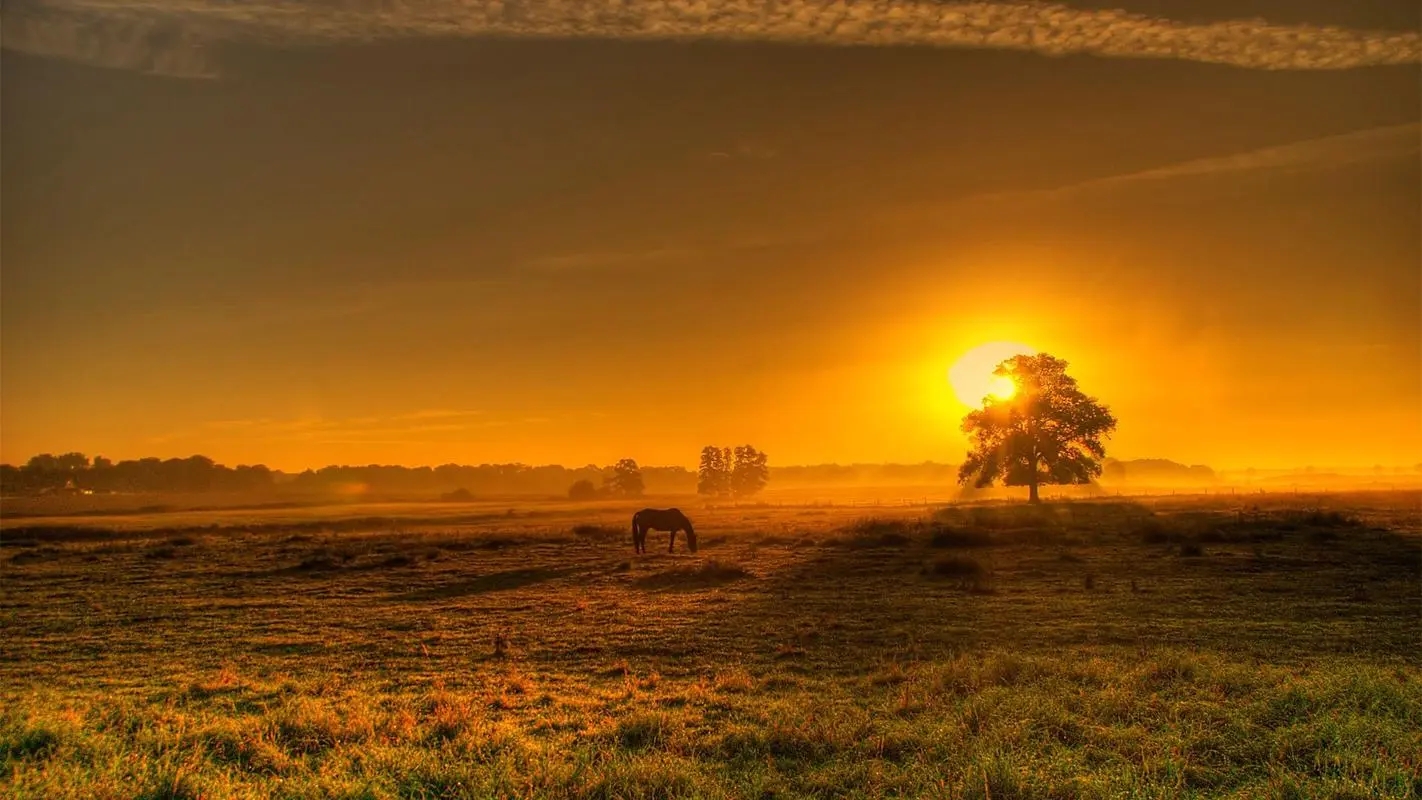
516	656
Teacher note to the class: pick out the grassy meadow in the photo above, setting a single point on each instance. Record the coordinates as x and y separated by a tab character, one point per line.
1262	646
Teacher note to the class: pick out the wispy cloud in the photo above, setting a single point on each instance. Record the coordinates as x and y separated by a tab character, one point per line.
752	151
438	413
156	43
419	424
176	37
567	262
1326	152
1329	151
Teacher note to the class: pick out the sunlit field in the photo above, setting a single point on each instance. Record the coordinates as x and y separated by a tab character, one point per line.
1086	649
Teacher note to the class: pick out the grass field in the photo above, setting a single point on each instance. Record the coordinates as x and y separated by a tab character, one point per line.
1184	647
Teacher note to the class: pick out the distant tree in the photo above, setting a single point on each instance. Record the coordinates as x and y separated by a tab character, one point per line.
749	473
583	490
73	462
1113	470
1047	432
12	478
713	476
625	480
44	462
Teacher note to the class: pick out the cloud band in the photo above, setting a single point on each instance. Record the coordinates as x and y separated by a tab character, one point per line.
174	37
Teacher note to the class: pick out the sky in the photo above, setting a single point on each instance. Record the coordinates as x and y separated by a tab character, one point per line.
568	232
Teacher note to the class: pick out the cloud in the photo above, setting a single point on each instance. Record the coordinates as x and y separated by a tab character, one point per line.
752	151
177	37
1354	147
1328	151
608	260
397	428
438	413
156	44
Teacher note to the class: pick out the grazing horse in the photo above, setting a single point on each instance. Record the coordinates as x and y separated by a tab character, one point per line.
661	519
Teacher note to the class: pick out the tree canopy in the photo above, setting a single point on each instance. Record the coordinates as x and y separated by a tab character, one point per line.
726	472
625	479
1048	432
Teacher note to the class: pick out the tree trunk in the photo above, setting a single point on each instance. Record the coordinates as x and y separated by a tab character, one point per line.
1036	477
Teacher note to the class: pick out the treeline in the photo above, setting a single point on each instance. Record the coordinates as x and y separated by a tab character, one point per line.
76	472
716	476
1155	470
732	473
925	474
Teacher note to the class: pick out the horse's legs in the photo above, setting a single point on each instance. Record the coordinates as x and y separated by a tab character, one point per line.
671	543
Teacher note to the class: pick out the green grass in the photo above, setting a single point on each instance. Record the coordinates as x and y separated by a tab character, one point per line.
996	651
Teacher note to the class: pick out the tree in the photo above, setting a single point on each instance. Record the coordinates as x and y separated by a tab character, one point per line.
582	490
625	480
750	473
73	462
44	462
1047	432
713	477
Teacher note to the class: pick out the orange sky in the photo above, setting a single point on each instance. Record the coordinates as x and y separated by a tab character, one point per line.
548	249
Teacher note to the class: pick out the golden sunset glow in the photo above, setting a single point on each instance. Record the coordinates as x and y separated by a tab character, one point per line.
1001	387
650	397
972	375
820	250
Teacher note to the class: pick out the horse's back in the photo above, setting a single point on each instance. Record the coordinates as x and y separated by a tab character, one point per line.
657	517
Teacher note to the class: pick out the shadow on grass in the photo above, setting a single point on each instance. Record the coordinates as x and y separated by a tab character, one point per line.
494	582
693	577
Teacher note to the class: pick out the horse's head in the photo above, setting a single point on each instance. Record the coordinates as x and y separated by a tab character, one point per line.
690	537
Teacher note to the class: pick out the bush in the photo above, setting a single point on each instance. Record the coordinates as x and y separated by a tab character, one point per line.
875	532
874	526
582	490
161	552
599	533
957	567
1156	532
969	573
961	537
1324	519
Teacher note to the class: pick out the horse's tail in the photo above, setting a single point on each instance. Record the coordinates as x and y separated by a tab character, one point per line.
636	525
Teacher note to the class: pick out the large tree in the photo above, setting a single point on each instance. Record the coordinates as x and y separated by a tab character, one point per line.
625	479
1047	432
749	473
713	476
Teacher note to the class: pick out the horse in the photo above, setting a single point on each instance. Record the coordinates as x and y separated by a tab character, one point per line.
661	519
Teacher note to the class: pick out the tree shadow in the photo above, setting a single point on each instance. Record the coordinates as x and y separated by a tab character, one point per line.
494	582
690	578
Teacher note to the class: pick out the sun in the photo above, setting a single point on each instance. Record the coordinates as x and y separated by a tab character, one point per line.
971	375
